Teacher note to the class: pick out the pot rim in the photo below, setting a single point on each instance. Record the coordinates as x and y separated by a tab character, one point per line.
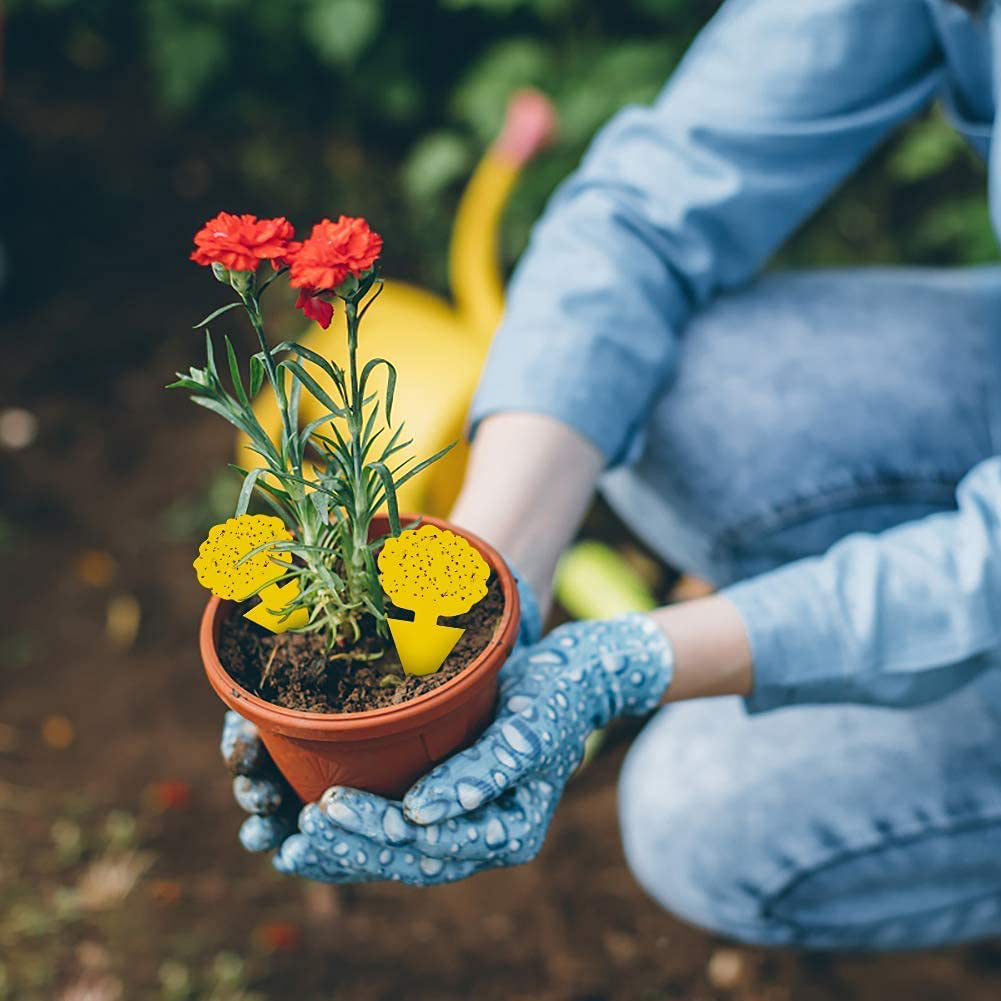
371	722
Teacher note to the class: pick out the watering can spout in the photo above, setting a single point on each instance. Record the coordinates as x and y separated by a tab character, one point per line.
474	267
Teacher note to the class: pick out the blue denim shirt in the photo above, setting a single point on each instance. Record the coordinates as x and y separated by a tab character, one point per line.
775	103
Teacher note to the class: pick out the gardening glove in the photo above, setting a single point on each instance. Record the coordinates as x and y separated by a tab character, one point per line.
491	805
259	787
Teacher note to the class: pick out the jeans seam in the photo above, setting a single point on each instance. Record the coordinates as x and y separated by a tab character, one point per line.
797	510
993	423
775	898
799	928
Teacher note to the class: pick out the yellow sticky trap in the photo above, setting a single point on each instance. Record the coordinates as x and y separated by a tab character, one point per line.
431	572
225	569
274	601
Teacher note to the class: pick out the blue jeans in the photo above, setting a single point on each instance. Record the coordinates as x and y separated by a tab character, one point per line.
836	826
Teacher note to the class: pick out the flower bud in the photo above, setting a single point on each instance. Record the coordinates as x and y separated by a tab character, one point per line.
220	271
355	288
348	288
199	375
242	281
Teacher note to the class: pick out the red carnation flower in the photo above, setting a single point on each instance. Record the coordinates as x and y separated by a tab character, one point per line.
315	308
241	242
333	251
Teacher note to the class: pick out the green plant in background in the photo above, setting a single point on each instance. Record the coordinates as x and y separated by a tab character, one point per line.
336	90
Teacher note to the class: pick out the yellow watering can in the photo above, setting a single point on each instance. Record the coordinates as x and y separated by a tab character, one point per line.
438	347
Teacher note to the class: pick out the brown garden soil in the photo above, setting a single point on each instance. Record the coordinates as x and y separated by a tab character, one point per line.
121	878
296	671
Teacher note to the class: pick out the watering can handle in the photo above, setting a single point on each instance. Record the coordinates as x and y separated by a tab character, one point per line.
474	269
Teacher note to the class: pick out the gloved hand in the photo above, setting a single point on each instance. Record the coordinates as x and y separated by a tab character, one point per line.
490	805
258	786
261	790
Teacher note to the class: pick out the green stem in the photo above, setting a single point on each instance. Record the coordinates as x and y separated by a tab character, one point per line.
359	523
257	322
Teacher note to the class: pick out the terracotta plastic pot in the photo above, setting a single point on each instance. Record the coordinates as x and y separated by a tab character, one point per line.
381	750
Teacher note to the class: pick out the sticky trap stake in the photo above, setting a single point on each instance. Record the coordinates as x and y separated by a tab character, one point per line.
423	646
226	567
268	613
432	572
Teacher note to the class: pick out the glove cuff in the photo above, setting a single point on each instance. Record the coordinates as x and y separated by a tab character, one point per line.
639	665
530	628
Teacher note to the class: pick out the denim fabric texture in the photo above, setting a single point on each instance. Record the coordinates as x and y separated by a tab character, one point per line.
844	825
814	445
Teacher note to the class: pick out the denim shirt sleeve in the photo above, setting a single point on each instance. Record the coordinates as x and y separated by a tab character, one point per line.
898	618
775	103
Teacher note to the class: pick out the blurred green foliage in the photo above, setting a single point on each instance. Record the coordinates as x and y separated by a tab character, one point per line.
384	107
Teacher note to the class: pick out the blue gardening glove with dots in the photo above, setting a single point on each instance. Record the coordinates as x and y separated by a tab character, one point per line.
491	805
259	787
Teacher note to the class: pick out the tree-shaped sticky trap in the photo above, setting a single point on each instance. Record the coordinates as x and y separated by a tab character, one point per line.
238	559
431	572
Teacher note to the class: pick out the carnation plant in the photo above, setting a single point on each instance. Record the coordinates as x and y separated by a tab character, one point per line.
327	479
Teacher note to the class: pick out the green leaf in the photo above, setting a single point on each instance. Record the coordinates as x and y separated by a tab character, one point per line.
392	510
371	299
389	452
249	482
234	372
188	52
282	475
334	583
269	455
183	382
265	486
223	411
317	359
321	502
210	356
245	422
283	346
343	448
253	425
313	386
390	382
366	434
212	316
293	418
339	457
284	513
434	164
340	30
369	442
394	444
379	613
307	431
256	374
411	473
